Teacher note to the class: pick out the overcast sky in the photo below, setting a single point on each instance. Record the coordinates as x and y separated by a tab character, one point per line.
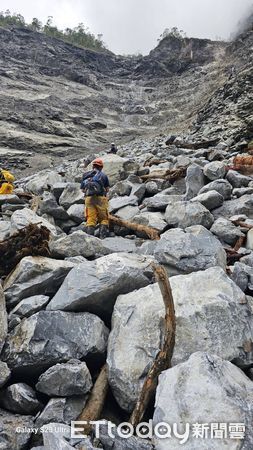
132	26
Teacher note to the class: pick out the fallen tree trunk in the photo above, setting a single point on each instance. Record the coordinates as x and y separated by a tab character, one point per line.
93	409
165	174
196	145
163	358
29	241
151	233
242	224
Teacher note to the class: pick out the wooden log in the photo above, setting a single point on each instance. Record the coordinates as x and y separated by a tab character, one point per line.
163	358
165	174
93	408
151	233
242	224
239	243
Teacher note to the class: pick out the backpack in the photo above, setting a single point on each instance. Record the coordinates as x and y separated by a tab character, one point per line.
93	187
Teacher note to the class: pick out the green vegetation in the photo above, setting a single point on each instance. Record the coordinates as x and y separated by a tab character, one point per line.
80	35
173	32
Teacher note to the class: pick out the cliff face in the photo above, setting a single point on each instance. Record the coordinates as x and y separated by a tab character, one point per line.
58	100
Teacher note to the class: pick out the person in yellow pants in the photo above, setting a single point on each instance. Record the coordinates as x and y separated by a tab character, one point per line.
95	185
6	180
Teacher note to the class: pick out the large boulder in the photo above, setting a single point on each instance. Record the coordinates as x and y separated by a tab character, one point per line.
71	195
30	306
61	410
210	200
205	390
20	398
212	315
15	431
5	227
222	186
183	214
195	180
35	275
151	219
113	167
134	342
237	179
77	243
3	319
226	231
215	170
159	202
185	251
51	337
43	180
238	206
117	203
49	205
66	379
26	216
93	286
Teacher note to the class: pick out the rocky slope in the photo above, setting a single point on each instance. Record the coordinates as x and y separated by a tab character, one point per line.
68	308
58	100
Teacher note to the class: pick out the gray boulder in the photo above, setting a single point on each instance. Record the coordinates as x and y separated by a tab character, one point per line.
30	306
5	227
138	190
195	180
49	205
20	398
76	213
160	201
15	431
183	214
66	379
51	337
119	443
11	199
226	231
127	212
210	390
151	188
61	410
210	200
42	180
76	244
118	244
117	203
26	216
93	286
151	219
3	319
222	186
57	436
241	205
185	251
5	374
72	194
237	179
136	332
122	188
238	192
35	275
212	314
242	275
215	170
57	189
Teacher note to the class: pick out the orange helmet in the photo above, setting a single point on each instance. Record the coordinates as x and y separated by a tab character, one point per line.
98	162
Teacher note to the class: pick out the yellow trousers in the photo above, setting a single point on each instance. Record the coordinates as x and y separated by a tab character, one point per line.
96	210
6	188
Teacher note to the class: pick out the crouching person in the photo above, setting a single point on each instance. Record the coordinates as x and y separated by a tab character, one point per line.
95	185
6	182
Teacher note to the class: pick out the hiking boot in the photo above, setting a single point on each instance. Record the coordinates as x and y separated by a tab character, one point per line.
103	232
90	230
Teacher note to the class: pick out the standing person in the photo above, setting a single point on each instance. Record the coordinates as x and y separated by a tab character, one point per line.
6	182
113	148
95	185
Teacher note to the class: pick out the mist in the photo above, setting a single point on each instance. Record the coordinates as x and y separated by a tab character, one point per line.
134	26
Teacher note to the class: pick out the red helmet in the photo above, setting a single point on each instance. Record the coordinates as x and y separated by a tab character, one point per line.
98	162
